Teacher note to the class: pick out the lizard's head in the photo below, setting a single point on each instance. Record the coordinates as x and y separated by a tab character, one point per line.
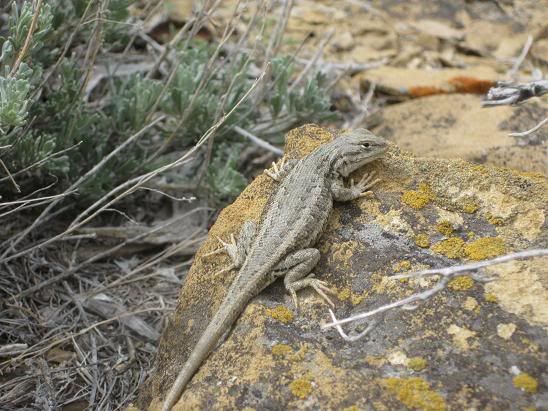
354	149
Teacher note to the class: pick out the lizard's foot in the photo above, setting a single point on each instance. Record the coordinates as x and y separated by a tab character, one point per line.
278	171
318	285
365	183
236	250
231	248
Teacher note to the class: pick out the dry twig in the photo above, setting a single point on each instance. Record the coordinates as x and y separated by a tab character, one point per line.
26	45
510	93
532	130
447	274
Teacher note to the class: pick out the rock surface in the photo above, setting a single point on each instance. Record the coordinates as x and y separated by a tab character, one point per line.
456	126
471	346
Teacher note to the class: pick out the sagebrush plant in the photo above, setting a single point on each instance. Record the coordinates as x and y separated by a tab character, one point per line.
90	105
38	120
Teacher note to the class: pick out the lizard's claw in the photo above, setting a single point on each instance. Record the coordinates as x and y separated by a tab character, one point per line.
318	285
230	248
224	270
277	170
321	288
365	183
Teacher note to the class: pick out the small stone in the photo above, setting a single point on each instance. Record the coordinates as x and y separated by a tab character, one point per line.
343	41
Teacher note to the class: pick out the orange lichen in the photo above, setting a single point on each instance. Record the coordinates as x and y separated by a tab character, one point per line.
483	248
464	84
423	91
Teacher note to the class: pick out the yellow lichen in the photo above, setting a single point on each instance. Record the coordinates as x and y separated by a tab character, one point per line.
422	240
461	283
355	299
415	393
347	294
445	228
417	363
402	265
490	297
493	219
452	247
280	313
281	350
525	383
301	388
351	408
415	199
483	248
343	252
344	294
469	206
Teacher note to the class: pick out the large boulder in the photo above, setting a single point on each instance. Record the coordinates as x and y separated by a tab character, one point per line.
472	346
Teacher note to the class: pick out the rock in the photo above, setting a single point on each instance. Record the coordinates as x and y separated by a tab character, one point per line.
446	354
456	126
404	83
343	41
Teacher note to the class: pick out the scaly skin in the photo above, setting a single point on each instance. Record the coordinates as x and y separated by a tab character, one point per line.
282	244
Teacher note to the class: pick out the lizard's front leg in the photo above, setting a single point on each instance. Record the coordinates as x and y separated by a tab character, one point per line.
342	193
296	268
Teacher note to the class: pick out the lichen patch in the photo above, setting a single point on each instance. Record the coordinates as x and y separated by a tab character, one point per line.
461	336
520	289
414	393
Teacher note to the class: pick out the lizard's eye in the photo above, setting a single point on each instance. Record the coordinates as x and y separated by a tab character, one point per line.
365	145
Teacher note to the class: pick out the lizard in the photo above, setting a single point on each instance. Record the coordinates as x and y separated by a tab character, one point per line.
281	245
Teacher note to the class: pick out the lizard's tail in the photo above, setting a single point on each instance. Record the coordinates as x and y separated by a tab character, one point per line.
230	309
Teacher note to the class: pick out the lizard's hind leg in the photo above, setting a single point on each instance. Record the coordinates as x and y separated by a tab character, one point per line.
297	269
278	172
237	250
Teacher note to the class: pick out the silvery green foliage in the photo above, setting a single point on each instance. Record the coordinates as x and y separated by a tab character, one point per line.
40	120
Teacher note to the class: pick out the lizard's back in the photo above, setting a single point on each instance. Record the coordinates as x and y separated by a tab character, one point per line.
295	214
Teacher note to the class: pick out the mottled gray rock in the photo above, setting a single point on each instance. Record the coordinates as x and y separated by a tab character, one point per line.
471	346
